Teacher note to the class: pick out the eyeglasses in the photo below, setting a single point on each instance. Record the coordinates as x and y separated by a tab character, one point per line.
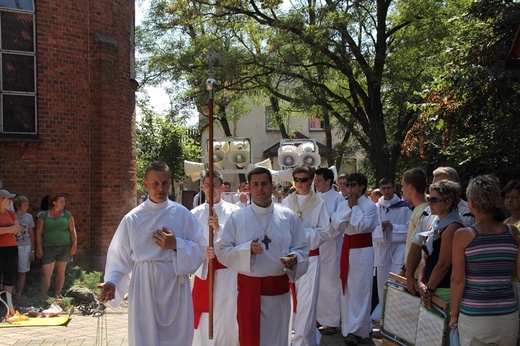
301	180
351	184
434	200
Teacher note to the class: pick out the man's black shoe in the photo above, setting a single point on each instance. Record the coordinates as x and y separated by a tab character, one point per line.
351	340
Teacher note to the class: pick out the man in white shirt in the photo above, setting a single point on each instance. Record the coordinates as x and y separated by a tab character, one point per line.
356	218
266	243
158	243
225	327
390	234
328	307
312	211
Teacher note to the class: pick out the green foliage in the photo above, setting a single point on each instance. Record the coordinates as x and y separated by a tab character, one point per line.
470	111
86	279
165	139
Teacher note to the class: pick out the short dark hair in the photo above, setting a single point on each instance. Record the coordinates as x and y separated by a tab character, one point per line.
303	168
215	175
326	173
54	198
258	171
360	178
158	166
18	201
417	178
385	181
227	183
44	204
512	185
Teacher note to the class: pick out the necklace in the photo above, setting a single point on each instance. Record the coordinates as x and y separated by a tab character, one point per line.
297	204
266	239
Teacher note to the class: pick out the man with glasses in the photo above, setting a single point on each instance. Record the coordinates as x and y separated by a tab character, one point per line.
267	244
328	311
312	211
356	218
225	327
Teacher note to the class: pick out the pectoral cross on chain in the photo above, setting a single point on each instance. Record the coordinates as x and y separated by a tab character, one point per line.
266	241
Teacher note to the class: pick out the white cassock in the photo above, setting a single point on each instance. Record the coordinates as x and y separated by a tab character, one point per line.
287	236
315	219
225	327
390	244
329	299
160	308
356	299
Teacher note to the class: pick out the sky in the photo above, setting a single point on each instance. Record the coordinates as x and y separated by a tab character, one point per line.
159	99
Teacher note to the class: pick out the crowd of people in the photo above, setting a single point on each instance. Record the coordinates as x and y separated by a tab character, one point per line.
292	266
52	239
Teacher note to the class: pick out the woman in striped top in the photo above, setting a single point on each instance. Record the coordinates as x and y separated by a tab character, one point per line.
485	256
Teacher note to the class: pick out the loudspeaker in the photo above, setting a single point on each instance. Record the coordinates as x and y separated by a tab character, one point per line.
265	163
309	154
221	145
239	153
194	170
281	176
287	156
218	158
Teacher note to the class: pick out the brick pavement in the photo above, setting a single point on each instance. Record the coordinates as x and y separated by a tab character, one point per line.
83	331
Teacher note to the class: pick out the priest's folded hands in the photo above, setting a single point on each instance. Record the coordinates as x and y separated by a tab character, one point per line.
165	239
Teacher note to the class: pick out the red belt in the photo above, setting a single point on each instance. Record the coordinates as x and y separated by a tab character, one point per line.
312	253
200	294
354	241
250	290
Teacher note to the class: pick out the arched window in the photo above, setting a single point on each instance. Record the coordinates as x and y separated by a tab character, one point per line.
18	72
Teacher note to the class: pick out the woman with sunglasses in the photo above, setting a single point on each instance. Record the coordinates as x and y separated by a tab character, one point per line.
434	275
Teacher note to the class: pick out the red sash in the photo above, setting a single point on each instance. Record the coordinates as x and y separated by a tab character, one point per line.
250	290
354	241
200	294
292	286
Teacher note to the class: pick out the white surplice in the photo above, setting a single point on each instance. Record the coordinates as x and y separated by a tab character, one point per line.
160	308
225	327
317	225
329	299
390	244
287	235
357	297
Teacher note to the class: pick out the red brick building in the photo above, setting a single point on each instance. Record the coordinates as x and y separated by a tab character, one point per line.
67	121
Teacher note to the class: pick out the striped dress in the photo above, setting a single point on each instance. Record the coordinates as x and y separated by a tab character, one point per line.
490	263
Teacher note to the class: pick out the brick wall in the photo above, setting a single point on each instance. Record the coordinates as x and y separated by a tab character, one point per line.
86	119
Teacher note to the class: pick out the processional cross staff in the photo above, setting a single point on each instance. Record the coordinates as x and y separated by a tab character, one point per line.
211	85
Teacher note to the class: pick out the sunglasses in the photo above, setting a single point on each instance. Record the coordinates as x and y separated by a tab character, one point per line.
434	200
301	180
351	184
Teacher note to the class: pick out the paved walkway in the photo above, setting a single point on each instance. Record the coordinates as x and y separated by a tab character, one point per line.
91	331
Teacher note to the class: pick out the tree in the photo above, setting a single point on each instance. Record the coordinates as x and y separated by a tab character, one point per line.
470	115
358	65
159	138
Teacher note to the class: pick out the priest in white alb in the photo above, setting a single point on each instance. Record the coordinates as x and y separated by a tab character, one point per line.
225	327
266	243
156	246
312	211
